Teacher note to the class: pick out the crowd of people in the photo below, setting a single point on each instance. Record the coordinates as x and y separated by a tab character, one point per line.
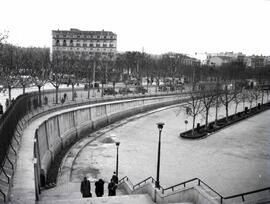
99	187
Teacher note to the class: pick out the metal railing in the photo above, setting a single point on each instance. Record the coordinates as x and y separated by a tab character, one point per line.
172	188
4	195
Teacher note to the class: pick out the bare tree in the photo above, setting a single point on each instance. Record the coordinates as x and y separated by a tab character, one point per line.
237	99
244	97
208	99
256	93
250	97
194	107
226	98
217	101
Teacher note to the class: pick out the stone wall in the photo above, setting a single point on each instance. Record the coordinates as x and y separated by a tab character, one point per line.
60	130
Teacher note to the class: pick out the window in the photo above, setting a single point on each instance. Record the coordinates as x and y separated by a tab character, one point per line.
91	45
64	43
111	45
78	36
105	37
97	45
57	42
71	43
84	45
104	45
78	44
98	36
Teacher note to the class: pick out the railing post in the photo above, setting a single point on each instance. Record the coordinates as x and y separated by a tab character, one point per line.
243	199
199	182
221	200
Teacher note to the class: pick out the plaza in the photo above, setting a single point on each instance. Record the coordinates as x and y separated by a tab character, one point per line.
232	161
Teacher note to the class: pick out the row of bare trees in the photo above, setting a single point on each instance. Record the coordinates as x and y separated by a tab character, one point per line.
21	66
214	98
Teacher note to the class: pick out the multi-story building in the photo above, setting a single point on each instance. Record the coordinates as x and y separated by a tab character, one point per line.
85	43
255	61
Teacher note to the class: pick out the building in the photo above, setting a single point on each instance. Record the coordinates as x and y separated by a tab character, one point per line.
85	43
217	61
255	62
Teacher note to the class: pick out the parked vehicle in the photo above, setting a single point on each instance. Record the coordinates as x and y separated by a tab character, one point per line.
140	89
96	85
109	91
124	90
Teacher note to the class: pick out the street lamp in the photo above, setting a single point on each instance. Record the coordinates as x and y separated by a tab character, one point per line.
117	146
160	126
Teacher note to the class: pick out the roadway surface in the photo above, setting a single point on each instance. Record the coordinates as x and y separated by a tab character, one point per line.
232	161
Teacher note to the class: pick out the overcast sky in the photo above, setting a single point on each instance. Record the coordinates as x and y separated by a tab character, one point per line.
185	26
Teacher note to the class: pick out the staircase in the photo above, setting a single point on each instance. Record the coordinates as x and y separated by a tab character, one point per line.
71	191
124	199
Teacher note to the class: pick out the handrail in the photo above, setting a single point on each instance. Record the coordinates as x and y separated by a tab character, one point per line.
247	193
183	183
144	181
221	197
199	183
3	195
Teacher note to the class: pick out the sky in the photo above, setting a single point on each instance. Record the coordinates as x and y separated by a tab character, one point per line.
155	26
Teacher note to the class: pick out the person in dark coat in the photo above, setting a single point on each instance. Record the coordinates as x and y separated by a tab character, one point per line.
86	188
99	188
115	178
112	188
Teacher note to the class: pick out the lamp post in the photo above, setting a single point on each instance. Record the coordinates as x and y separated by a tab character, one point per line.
117	146
160	126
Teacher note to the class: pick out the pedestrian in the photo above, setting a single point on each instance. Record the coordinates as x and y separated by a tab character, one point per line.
99	188
86	188
112	188
115	178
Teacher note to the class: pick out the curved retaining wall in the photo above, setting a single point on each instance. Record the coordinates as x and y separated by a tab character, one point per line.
60	130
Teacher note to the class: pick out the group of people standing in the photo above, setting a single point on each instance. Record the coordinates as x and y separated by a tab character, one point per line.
99	187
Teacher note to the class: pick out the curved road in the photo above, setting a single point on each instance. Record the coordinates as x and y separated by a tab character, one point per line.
232	161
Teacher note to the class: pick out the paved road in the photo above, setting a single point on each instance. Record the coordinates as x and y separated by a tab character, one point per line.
234	160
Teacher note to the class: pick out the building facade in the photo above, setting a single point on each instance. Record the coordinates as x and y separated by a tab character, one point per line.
85	43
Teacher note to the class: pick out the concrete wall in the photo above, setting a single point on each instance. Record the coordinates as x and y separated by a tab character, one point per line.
58	131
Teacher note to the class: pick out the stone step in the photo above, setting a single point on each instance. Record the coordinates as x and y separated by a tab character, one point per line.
126	199
71	190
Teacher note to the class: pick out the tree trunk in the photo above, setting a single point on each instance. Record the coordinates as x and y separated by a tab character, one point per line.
102	89
72	85
227	111
88	90
9	94
56	94
206	118
216	117
236	105
262	96
39	95
23	88
193	124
